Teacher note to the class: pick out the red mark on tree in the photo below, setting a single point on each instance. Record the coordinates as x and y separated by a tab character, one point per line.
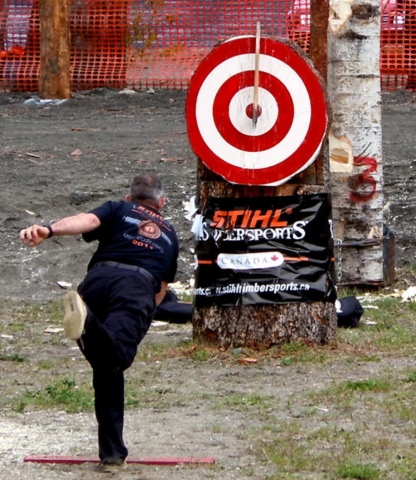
363	179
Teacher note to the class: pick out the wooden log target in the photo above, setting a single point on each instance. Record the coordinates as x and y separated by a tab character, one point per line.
256	135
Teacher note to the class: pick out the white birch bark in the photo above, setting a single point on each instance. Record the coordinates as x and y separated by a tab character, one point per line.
355	139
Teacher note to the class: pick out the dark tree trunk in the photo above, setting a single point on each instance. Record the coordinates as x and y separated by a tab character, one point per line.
54	78
260	326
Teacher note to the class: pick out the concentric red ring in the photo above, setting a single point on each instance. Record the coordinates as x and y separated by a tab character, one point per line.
254	143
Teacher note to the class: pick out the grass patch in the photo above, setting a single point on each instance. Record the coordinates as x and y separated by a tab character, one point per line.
358	471
377	385
358	435
411	377
346	393
386	329
331	452
14	357
186	296
22	314
45	364
64	393
243	402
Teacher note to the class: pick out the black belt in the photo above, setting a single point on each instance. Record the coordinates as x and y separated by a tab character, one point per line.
135	268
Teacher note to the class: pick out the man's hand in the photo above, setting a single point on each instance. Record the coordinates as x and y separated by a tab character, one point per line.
161	295
74	225
34	235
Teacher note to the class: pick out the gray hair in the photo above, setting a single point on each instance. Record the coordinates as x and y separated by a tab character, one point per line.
147	188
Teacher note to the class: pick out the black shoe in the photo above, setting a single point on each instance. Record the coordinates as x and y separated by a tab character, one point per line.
112	465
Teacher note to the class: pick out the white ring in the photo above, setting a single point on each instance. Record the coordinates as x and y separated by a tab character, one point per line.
227	152
243	123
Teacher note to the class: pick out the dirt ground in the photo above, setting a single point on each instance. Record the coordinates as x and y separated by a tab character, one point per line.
60	160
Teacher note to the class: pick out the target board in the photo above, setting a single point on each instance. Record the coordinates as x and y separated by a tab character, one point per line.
256	111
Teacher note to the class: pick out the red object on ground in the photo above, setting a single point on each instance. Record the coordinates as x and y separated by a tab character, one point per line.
15	52
76	460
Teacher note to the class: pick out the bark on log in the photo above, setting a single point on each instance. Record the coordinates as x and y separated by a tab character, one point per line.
54	77
318	44
263	326
318	52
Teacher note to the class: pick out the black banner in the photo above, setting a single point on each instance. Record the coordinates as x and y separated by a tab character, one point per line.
255	251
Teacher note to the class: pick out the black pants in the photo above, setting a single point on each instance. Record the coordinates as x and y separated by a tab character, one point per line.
120	307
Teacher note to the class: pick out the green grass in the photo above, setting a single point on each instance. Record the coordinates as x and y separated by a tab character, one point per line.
358	434
64	393
24	313
244	401
365	385
185	297
358	471
14	357
45	364
411	377
332	452
358	424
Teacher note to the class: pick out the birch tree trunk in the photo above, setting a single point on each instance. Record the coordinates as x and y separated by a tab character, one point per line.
355	140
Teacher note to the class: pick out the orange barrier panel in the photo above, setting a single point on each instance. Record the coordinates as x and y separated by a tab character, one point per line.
99	31
158	43
19	25
169	38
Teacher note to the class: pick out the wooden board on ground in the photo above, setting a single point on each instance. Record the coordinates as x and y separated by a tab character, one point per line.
79	459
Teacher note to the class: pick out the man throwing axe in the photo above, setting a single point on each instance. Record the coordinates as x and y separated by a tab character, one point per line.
111	312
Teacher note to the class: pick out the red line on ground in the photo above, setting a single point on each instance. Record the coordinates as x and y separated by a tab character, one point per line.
143	461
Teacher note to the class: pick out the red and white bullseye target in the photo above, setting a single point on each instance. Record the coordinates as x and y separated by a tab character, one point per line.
291	115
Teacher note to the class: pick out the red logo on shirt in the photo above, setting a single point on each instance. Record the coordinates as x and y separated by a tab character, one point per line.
149	229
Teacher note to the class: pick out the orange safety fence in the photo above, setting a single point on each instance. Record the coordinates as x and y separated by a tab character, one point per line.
159	43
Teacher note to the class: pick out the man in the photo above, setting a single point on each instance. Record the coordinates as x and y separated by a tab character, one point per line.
112	311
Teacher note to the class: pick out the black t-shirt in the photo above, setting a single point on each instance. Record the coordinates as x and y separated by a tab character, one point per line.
135	234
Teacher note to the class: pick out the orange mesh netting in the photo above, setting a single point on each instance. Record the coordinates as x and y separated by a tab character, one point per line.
397	39
169	38
159	43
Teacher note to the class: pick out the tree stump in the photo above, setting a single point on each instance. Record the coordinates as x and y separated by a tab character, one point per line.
261	326
248	291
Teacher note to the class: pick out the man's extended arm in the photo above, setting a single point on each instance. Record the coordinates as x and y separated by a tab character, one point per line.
81	223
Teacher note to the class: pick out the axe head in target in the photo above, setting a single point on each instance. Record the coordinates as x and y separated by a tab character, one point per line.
256	117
